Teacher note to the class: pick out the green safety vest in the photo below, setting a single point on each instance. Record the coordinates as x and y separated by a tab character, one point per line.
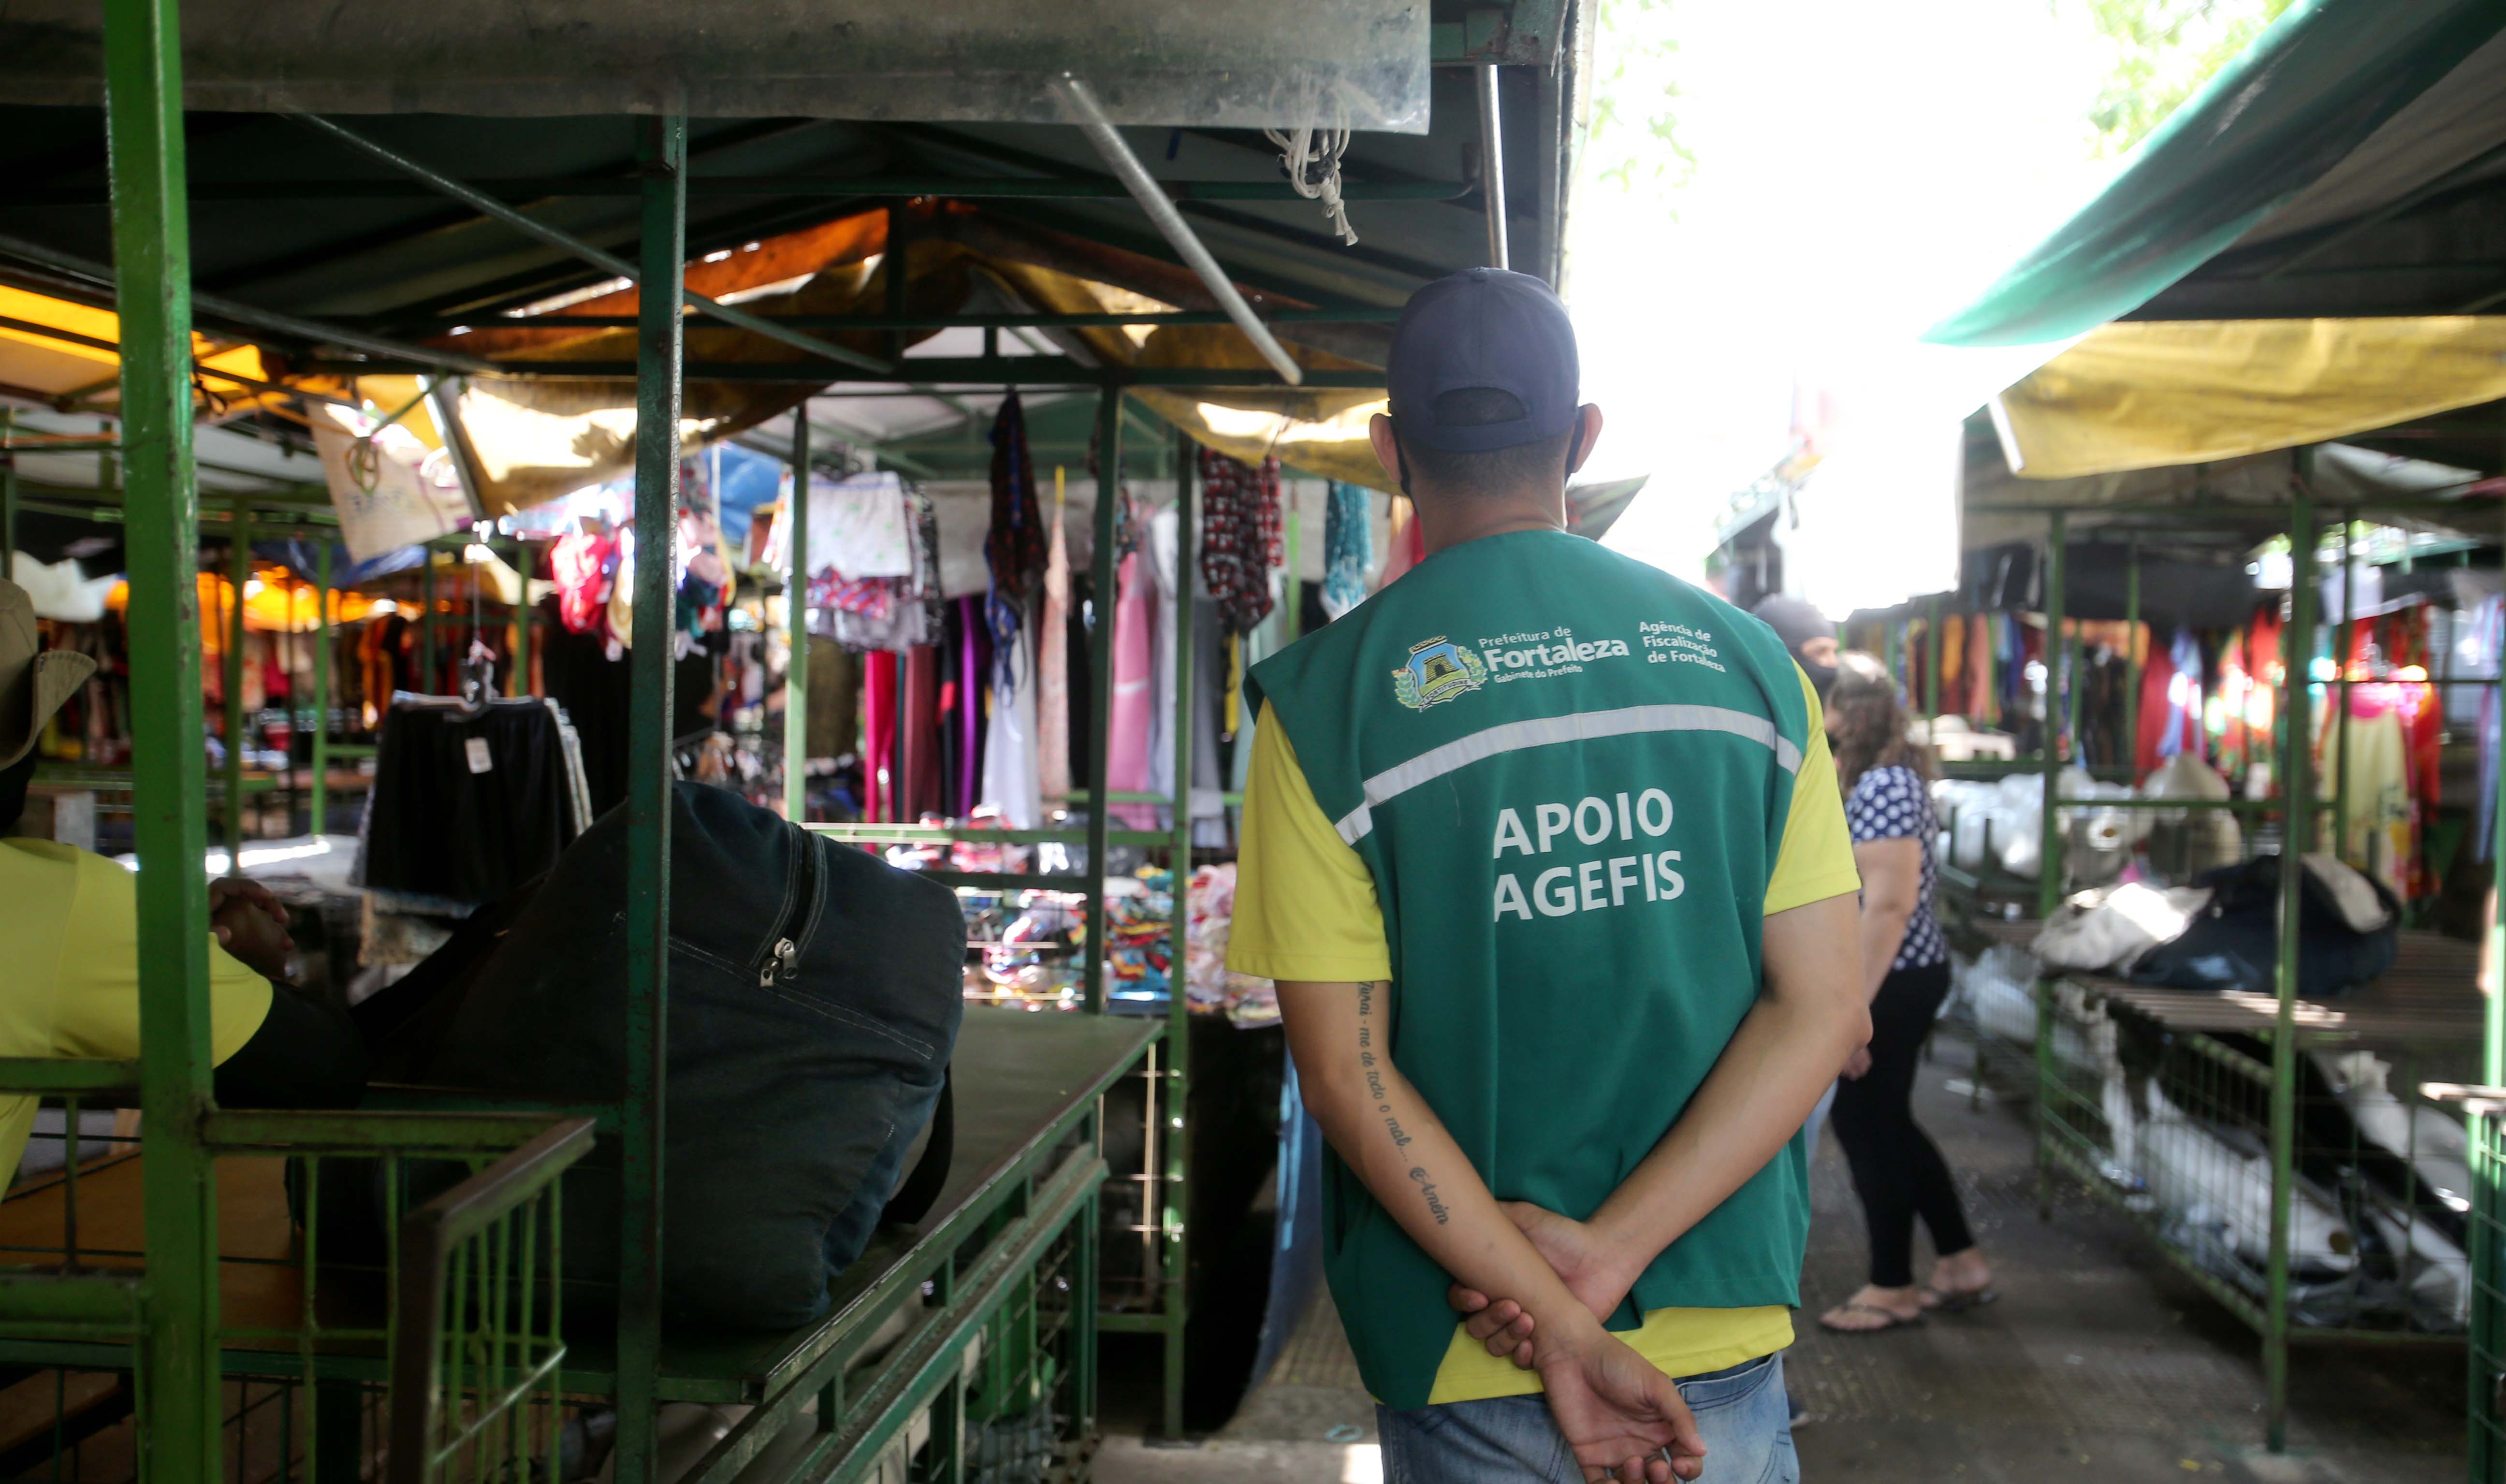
1568	773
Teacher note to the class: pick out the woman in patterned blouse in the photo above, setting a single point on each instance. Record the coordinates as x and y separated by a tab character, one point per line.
1897	1169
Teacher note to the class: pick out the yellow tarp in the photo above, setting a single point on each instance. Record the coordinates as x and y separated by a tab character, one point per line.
48	349
2150	395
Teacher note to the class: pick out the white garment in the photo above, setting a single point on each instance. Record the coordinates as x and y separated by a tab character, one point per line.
1011	784
858	526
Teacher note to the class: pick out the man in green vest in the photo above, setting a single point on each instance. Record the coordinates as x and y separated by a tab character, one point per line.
1544	849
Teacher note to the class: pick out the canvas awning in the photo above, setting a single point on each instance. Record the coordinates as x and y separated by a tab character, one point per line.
2340	166
2150	395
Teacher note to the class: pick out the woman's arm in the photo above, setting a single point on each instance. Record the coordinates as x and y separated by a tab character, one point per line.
1892	888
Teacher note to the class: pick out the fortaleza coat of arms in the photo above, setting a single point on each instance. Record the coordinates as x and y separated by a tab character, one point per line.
1438	670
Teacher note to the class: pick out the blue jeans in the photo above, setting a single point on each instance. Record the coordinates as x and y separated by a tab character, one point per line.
1508	1439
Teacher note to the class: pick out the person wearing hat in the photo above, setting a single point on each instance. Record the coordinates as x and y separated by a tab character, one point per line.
1806	633
69	931
1544	849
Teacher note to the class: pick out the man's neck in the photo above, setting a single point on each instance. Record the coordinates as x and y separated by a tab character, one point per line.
1445	523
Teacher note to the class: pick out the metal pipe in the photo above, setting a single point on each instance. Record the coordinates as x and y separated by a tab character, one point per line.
2135	661
970	372
239	569
1932	660
839	186
313	331
1100	666
2341	657
1173	1303
1170	223
8	500
2487	1309
180	1407
525	616
796	627
2296	823
2048	853
1095	320
608	263
662	147
1492	165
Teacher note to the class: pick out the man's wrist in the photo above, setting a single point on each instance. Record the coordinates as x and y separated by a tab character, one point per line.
1624	1251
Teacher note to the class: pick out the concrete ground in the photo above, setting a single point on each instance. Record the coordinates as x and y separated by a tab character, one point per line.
2101	1363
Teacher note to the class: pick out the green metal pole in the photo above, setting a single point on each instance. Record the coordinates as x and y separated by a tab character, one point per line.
524	561
2049	855
1295	590
2132	660
2486	1198
427	681
239	572
659	359
320	818
1100	666
2296	816
796	627
152	248
2341	657
8	499
1174	1302
1932	660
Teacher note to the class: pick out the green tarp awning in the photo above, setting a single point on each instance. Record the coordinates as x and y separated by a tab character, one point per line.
2344	117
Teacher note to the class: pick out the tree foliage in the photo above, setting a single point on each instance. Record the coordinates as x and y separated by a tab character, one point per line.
1635	136
2163	52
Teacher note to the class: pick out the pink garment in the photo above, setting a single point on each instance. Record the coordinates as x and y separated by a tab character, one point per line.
1053	672
1135	633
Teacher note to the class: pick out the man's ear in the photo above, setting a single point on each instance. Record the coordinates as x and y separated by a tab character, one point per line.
1387	451
1588	432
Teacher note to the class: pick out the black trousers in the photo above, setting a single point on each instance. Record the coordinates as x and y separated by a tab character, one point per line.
1897	1169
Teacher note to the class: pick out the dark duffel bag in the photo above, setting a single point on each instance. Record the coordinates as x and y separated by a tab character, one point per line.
2348	932
814	998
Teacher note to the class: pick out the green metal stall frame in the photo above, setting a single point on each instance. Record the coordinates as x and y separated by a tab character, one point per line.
2069	1146
170	1326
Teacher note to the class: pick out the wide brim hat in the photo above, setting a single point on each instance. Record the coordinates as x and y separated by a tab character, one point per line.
35	683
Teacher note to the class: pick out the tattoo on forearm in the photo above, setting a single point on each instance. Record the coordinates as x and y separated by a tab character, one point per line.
1376	1089
1427	1188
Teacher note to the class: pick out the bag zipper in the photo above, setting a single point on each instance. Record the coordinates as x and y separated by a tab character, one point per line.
782	961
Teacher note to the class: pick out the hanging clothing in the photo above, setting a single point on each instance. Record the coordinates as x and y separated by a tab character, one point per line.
1014	549
2170	705
1135	702
1053	668
2380	838
878	737
1348	546
1010	783
1240	535
835	700
923	789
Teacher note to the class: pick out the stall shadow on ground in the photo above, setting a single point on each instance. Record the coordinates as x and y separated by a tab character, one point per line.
2101	1363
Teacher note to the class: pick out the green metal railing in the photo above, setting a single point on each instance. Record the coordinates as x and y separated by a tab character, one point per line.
475	1340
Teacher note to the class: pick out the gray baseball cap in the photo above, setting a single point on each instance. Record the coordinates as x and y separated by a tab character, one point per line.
1484	329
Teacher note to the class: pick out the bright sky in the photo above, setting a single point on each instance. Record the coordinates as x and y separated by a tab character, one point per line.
1861	172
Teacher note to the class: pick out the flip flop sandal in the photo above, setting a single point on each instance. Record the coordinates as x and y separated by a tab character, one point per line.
1896	1321
1944	1302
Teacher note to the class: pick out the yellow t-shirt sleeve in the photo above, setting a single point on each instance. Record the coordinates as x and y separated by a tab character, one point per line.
95	1011
1816	860
1305	901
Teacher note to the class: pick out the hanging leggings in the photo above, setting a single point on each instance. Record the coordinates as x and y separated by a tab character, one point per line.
1897	1169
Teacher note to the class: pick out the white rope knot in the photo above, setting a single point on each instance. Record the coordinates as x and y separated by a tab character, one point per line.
1311	158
